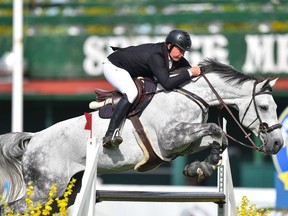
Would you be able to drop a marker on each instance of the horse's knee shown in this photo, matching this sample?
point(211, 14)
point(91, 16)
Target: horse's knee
point(215, 130)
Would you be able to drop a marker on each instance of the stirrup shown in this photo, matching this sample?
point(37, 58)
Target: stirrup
point(112, 141)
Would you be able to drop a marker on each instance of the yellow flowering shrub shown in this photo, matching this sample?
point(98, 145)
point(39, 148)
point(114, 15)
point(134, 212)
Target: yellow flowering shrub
point(37, 209)
point(250, 210)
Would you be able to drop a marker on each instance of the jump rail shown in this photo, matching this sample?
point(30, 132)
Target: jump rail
point(156, 196)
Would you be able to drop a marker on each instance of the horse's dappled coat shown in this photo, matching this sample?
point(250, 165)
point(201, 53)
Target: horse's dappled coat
point(175, 125)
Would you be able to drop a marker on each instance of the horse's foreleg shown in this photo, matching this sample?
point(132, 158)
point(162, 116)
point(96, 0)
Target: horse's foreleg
point(187, 138)
point(206, 168)
point(196, 135)
point(216, 153)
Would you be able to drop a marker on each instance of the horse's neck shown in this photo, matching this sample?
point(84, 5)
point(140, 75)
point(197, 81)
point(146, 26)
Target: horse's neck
point(229, 92)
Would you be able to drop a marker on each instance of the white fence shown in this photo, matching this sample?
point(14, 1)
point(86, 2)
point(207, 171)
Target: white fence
point(85, 200)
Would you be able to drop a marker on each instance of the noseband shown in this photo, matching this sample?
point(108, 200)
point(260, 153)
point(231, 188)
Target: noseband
point(263, 126)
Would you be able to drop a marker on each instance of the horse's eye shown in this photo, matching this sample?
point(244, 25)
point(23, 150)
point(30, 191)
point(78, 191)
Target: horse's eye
point(263, 108)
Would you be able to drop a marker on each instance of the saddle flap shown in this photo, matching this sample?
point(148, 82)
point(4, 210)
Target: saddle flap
point(106, 111)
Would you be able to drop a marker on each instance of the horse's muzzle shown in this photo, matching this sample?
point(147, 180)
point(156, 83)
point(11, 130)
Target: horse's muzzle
point(272, 148)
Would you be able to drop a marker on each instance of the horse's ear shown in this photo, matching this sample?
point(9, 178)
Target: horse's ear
point(266, 85)
point(263, 83)
point(273, 81)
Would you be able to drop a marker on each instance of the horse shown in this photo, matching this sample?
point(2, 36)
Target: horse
point(175, 122)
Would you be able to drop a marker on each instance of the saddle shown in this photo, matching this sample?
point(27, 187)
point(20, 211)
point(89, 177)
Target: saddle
point(106, 101)
point(146, 89)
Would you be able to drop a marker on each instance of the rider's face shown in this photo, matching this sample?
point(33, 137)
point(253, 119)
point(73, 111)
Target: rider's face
point(176, 53)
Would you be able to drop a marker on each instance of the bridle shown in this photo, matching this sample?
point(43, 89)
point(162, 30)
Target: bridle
point(263, 126)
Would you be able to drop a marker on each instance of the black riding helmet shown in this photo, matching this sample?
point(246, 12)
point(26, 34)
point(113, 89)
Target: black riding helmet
point(180, 39)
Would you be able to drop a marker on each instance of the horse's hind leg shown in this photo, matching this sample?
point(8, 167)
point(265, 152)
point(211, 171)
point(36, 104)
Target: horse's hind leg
point(37, 169)
point(39, 194)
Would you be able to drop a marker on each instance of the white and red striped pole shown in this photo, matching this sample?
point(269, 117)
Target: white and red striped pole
point(86, 199)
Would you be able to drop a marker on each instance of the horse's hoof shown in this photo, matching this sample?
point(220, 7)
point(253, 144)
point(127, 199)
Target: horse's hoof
point(202, 170)
point(201, 176)
point(191, 169)
point(207, 169)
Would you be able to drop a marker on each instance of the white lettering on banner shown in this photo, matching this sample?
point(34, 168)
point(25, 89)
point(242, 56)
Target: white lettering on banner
point(93, 51)
point(282, 53)
point(96, 49)
point(261, 55)
point(212, 46)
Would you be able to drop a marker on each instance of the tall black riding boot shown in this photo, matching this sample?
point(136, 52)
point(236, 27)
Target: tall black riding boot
point(111, 139)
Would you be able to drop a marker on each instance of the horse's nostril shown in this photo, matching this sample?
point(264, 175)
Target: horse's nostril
point(277, 146)
point(279, 143)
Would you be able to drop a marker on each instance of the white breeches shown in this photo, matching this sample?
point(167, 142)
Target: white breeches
point(120, 79)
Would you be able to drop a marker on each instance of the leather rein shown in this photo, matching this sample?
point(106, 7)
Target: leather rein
point(263, 126)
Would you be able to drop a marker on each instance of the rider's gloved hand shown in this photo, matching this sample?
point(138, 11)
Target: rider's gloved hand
point(194, 71)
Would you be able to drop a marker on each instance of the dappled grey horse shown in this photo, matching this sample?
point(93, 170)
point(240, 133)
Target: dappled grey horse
point(174, 121)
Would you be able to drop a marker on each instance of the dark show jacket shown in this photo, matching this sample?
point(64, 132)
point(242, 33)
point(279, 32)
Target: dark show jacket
point(150, 60)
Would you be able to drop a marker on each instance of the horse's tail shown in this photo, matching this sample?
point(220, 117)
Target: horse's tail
point(12, 148)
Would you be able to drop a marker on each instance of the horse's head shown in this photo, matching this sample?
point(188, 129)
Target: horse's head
point(253, 99)
point(258, 113)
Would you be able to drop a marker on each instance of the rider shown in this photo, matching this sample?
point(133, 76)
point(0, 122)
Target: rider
point(147, 60)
